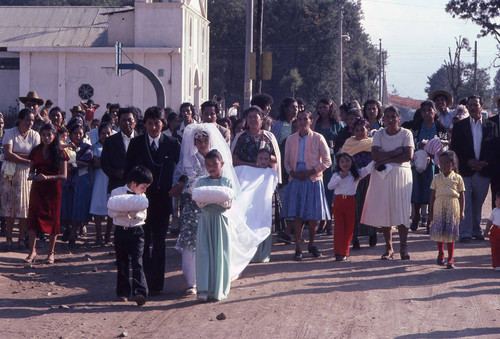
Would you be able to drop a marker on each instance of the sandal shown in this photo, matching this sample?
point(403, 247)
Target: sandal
point(30, 259)
point(440, 260)
point(387, 255)
point(450, 264)
point(50, 259)
point(315, 252)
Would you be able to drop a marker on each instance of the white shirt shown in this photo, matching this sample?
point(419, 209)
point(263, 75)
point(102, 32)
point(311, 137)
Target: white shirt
point(495, 217)
point(477, 135)
point(348, 185)
point(126, 140)
point(156, 140)
point(20, 144)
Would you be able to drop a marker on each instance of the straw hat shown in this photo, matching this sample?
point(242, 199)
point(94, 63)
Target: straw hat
point(77, 110)
point(32, 96)
point(441, 92)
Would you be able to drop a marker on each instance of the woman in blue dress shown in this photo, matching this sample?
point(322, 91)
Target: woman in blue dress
point(306, 157)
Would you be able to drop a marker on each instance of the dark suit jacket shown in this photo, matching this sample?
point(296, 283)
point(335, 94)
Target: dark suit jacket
point(162, 166)
point(226, 133)
point(113, 159)
point(463, 145)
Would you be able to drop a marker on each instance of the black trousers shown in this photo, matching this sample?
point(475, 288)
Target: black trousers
point(129, 248)
point(155, 232)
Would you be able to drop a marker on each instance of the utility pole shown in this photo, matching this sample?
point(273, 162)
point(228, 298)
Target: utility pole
point(341, 83)
point(247, 95)
point(258, 63)
point(475, 67)
point(380, 84)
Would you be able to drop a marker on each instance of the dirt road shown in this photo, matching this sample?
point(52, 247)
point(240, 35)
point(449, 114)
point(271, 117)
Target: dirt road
point(364, 297)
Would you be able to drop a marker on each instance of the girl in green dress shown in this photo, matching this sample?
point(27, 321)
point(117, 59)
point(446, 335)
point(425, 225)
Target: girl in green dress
point(213, 277)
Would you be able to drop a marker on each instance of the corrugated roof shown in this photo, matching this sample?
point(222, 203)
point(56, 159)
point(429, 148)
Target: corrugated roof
point(55, 26)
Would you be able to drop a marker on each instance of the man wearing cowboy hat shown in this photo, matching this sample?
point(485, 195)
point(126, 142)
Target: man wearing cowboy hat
point(443, 101)
point(33, 102)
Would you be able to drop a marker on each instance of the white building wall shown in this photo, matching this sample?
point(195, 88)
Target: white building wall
point(9, 86)
point(57, 73)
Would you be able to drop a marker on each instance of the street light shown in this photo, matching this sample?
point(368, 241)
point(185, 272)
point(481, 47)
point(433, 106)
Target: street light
point(342, 37)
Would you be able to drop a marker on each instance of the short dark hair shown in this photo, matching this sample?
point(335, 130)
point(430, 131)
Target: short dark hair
point(172, 116)
point(253, 109)
point(140, 175)
point(284, 108)
point(49, 102)
point(114, 106)
point(475, 97)
point(376, 103)
point(264, 150)
point(393, 109)
point(106, 117)
point(428, 103)
point(497, 195)
point(452, 156)
point(155, 113)
point(103, 126)
point(261, 100)
point(191, 108)
point(214, 154)
point(125, 110)
point(55, 109)
point(209, 103)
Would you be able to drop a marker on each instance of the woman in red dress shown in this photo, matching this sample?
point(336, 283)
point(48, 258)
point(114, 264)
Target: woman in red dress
point(48, 168)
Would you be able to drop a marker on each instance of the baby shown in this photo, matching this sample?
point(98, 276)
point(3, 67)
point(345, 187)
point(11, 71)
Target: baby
point(263, 159)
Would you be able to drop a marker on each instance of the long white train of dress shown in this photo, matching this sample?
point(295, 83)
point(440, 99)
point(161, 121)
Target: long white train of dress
point(252, 228)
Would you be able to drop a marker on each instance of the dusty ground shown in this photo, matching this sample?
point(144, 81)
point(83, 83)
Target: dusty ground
point(316, 298)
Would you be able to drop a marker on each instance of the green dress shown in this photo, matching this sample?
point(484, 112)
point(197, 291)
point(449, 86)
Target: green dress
point(212, 247)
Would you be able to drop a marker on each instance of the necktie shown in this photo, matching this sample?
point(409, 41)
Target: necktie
point(153, 146)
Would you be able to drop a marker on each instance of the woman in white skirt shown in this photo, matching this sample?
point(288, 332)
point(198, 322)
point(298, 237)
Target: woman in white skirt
point(388, 198)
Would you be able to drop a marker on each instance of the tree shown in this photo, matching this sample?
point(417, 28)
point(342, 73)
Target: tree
point(302, 35)
point(439, 80)
point(454, 66)
point(292, 81)
point(485, 13)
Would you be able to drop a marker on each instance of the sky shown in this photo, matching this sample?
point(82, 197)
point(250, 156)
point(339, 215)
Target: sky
point(416, 34)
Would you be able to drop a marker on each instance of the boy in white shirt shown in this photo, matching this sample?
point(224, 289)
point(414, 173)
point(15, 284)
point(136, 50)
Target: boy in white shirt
point(128, 208)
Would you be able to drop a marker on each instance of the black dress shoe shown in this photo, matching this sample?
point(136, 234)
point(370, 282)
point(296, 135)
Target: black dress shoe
point(153, 293)
point(355, 244)
point(465, 240)
point(315, 252)
point(339, 257)
point(297, 256)
point(478, 237)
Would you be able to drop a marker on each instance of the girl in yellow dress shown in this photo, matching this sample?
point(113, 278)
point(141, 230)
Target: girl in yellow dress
point(447, 206)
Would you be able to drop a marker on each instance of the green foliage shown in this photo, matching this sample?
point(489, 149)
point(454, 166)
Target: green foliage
point(292, 81)
point(439, 80)
point(485, 13)
point(302, 35)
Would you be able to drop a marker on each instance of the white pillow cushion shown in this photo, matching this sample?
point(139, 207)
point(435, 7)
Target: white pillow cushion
point(212, 194)
point(128, 203)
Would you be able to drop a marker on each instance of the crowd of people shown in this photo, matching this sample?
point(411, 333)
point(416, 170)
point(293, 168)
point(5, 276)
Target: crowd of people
point(347, 171)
